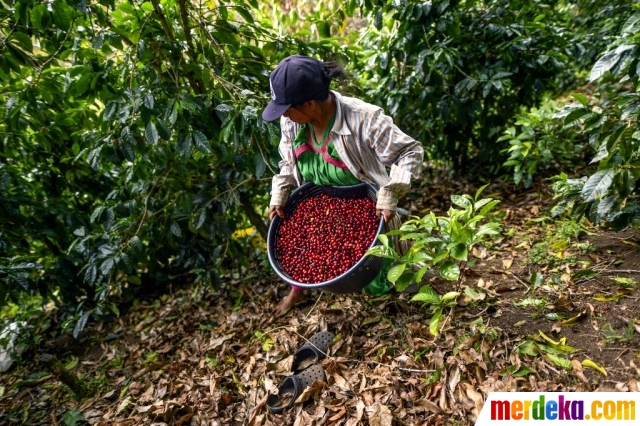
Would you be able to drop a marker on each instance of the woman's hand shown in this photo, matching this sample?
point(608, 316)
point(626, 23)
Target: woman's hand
point(273, 210)
point(388, 214)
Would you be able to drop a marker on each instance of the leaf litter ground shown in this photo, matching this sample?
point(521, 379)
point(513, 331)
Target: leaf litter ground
point(528, 320)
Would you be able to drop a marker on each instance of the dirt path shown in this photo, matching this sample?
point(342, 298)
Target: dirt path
point(526, 321)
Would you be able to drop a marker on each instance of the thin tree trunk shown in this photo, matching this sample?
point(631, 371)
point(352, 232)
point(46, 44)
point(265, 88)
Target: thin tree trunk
point(254, 218)
point(56, 368)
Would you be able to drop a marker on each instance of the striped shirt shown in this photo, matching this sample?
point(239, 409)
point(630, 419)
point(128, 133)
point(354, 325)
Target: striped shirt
point(368, 143)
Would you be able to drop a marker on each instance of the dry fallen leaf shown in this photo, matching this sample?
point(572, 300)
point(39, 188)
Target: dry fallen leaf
point(477, 399)
point(429, 406)
point(215, 343)
point(341, 382)
point(578, 371)
point(381, 416)
point(506, 263)
point(454, 379)
point(311, 391)
point(360, 406)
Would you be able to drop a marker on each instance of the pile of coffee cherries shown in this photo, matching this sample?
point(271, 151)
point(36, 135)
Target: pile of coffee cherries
point(325, 236)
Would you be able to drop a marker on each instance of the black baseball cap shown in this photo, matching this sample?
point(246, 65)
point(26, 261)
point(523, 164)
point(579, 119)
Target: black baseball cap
point(295, 80)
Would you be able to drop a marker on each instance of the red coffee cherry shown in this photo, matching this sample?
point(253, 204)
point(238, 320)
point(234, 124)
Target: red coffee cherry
point(325, 236)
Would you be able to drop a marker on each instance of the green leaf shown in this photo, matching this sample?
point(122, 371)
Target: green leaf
point(147, 7)
point(175, 229)
point(22, 40)
point(427, 295)
point(452, 295)
point(377, 21)
point(560, 362)
point(404, 281)
point(72, 417)
point(91, 274)
point(260, 165)
point(37, 12)
point(459, 252)
point(536, 303)
point(163, 130)
point(601, 154)
point(109, 111)
point(384, 240)
point(434, 323)
point(421, 256)
point(604, 64)
point(591, 364)
point(580, 98)
point(605, 205)
point(184, 145)
point(324, 29)
point(382, 251)
point(478, 192)
point(462, 201)
point(421, 272)
point(62, 15)
point(106, 266)
point(536, 279)
point(82, 321)
point(151, 133)
point(133, 279)
point(136, 244)
point(201, 141)
point(473, 294)
point(597, 184)
point(449, 270)
point(625, 282)
point(246, 15)
point(481, 203)
point(584, 273)
point(440, 256)
point(395, 272)
point(201, 217)
point(575, 115)
point(148, 100)
point(632, 24)
point(522, 371)
point(82, 85)
point(490, 205)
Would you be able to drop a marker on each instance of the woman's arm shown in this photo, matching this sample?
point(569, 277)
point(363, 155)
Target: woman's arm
point(283, 182)
point(399, 152)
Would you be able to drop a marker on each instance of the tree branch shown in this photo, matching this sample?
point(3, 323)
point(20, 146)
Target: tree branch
point(254, 218)
point(163, 20)
point(185, 28)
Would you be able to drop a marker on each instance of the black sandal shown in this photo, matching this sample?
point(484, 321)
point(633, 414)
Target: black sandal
point(291, 388)
point(313, 351)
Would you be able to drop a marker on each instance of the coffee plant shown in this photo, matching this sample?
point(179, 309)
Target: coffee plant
point(539, 144)
point(470, 66)
point(610, 194)
point(457, 73)
point(131, 145)
point(442, 242)
point(436, 305)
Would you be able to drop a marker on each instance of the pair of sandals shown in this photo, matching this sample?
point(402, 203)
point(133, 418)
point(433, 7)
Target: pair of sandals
point(305, 371)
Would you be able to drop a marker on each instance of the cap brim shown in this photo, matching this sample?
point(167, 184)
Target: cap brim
point(273, 111)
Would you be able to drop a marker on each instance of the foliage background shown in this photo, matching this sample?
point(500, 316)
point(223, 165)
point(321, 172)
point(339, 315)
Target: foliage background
point(132, 148)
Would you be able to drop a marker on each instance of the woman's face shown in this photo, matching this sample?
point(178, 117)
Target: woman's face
point(299, 114)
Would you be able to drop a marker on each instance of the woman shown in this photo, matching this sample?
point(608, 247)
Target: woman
point(330, 139)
